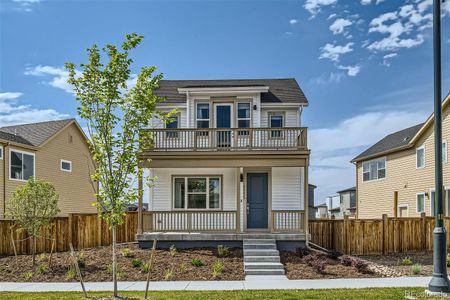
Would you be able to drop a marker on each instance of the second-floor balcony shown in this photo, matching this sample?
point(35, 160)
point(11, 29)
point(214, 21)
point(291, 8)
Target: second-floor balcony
point(226, 139)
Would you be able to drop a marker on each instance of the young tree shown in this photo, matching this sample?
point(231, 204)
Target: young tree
point(115, 113)
point(33, 206)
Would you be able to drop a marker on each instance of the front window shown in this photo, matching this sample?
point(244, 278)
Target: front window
point(420, 203)
point(420, 157)
point(197, 192)
point(276, 121)
point(202, 115)
point(243, 117)
point(172, 123)
point(21, 165)
point(375, 169)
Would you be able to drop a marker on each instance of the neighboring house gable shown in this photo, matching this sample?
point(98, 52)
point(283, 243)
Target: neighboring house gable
point(402, 164)
point(59, 153)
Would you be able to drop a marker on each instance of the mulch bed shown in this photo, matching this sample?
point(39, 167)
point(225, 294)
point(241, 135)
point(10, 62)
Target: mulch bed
point(98, 259)
point(296, 268)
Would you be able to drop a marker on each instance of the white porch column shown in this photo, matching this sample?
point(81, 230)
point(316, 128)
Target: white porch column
point(238, 199)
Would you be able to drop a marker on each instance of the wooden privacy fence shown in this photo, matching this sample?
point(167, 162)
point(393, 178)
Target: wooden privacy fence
point(375, 236)
point(82, 230)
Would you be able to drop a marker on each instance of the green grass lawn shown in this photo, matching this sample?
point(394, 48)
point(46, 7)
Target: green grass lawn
point(378, 293)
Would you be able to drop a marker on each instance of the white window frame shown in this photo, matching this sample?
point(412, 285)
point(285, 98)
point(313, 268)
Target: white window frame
point(186, 192)
point(196, 116)
point(417, 201)
point(244, 119)
point(22, 152)
point(370, 161)
point(403, 206)
point(417, 160)
point(1, 151)
point(444, 153)
point(65, 161)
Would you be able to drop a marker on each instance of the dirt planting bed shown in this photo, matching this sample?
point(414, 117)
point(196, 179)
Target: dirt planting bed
point(97, 267)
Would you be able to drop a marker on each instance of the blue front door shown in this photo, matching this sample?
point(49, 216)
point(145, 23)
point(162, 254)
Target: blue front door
point(257, 201)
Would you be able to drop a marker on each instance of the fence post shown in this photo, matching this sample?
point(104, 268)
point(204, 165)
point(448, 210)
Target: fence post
point(99, 230)
point(70, 233)
point(344, 236)
point(385, 235)
point(424, 231)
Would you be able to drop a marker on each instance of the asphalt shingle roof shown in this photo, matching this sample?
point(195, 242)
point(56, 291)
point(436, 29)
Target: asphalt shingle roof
point(33, 134)
point(284, 90)
point(393, 141)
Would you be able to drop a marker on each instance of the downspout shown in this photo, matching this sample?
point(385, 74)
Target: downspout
point(4, 179)
point(300, 110)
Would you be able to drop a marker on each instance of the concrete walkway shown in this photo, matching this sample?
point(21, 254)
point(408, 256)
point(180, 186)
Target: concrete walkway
point(251, 283)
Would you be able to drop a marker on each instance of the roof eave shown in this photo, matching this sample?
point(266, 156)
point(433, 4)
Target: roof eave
point(384, 153)
point(221, 90)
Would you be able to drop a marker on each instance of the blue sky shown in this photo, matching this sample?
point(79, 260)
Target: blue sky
point(365, 65)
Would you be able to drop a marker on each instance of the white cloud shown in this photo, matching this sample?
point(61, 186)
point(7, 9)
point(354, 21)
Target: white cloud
point(339, 25)
point(331, 16)
point(293, 21)
point(333, 52)
point(351, 70)
point(326, 79)
point(313, 6)
point(386, 58)
point(367, 2)
point(58, 76)
point(25, 5)
point(13, 113)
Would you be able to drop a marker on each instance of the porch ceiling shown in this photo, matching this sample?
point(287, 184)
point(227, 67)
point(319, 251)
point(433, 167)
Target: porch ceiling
point(225, 159)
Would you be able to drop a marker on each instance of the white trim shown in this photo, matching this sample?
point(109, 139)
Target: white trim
point(231, 113)
point(209, 114)
point(447, 199)
point(402, 206)
point(66, 161)
point(209, 90)
point(2, 151)
point(186, 192)
point(369, 161)
point(417, 199)
point(23, 152)
point(424, 161)
point(282, 105)
point(445, 155)
point(432, 190)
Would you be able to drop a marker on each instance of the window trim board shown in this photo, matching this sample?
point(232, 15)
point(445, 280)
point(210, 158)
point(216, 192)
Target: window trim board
point(385, 169)
point(424, 157)
point(424, 202)
point(23, 152)
point(2, 152)
point(66, 161)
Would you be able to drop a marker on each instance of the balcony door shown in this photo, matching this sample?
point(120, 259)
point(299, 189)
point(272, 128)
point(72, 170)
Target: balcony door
point(223, 120)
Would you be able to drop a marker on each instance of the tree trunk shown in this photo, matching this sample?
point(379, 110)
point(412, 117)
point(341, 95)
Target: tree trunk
point(114, 263)
point(33, 249)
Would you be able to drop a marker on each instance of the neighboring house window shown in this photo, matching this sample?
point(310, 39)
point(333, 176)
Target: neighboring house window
point(352, 199)
point(420, 157)
point(1, 152)
point(66, 165)
point(197, 192)
point(444, 152)
point(21, 165)
point(276, 121)
point(243, 117)
point(420, 203)
point(341, 199)
point(202, 115)
point(374, 169)
point(172, 123)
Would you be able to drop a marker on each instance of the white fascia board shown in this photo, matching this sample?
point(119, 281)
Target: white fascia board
point(225, 90)
point(283, 105)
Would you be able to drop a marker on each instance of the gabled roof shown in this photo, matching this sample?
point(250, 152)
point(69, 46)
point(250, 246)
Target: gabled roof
point(284, 90)
point(33, 134)
point(400, 140)
point(352, 189)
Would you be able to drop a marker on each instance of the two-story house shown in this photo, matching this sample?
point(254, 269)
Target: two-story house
point(396, 175)
point(232, 165)
point(56, 151)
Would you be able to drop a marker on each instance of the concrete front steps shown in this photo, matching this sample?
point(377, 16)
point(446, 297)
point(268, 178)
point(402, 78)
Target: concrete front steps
point(261, 257)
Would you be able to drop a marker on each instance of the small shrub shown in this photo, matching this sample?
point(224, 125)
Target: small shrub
point(448, 260)
point(316, 262)
point(360, 265)
point(184, 268)
point(416, 269)
point(407, 261)
point(119, 272)
point(136, 263)
point(217, 269)
point(145, 268)
point(222, 251)
point(196, 262)
point(173, 251)
point(41, 269)
point(70, 274)
point(80, 260)
point(28, 275)
point(334, 255)
point(41, 257)
point(127, 252)
point(169, 274)
point(346, 260)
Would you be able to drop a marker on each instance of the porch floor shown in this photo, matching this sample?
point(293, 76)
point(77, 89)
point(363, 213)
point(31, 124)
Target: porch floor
point(218, 236)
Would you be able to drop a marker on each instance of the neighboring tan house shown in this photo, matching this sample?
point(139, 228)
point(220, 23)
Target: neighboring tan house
point(56, 151)
point(322, 211)
point(347, 202)
point(232, 166)
point(396, 175)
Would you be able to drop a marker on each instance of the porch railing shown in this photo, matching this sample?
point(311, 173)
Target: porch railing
point(215, 139)
point(189, 221)
point(288, 221)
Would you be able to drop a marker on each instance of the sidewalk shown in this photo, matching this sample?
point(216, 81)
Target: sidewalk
point(251, 283)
